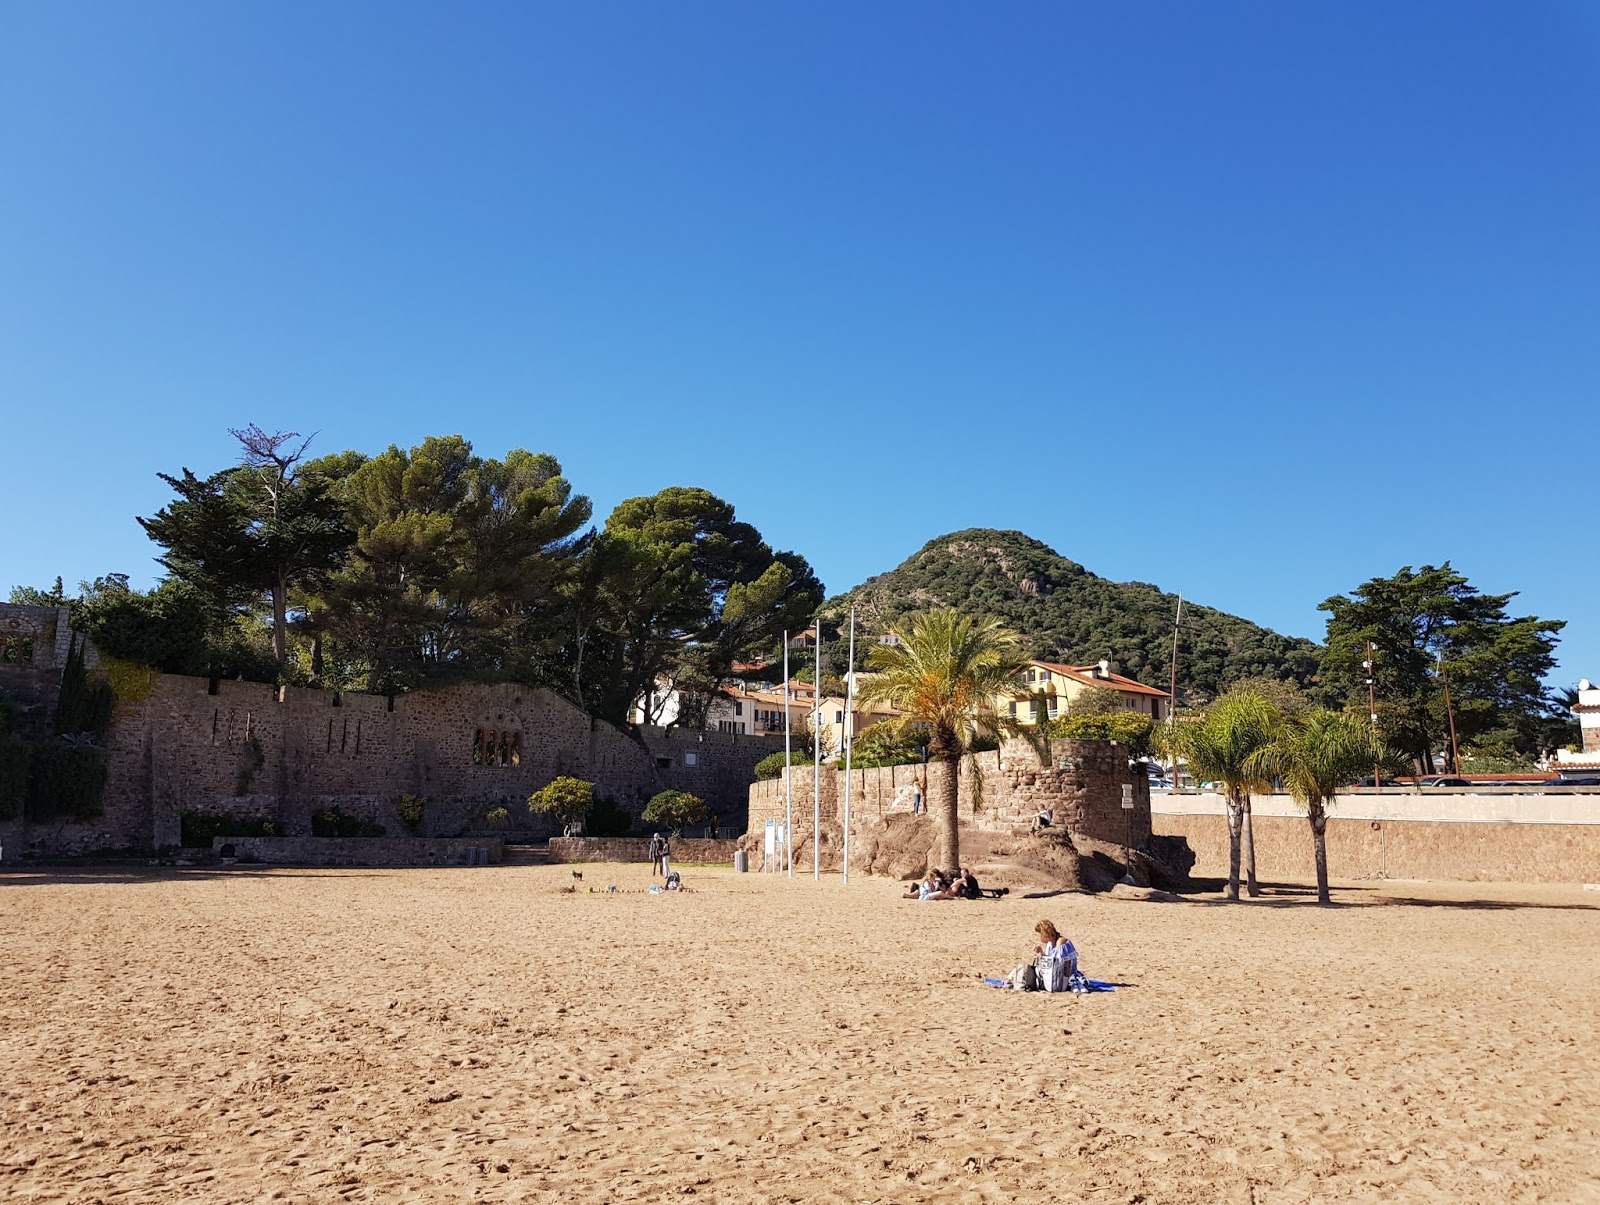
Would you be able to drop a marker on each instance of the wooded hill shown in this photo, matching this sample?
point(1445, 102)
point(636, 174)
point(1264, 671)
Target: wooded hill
point(1065, 613)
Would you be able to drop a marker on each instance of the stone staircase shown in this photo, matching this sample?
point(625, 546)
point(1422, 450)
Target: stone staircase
point(525, 855)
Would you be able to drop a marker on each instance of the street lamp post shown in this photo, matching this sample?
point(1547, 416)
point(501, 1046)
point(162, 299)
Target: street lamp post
point(1372, 709)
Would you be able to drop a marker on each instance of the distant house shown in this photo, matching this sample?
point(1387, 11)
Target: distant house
point(1587, 709)
point(1046, 688)
point(760, 711)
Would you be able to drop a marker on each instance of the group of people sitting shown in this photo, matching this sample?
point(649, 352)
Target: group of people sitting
point(963, 885)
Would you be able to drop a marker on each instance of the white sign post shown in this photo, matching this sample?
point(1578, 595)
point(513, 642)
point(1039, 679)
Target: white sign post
point(1127, 857)
point(769, 861)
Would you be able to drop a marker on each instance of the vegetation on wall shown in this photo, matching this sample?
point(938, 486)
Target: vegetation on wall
point(196, 829)
point(1130, 729)
point(412, 810)
point(335, 822)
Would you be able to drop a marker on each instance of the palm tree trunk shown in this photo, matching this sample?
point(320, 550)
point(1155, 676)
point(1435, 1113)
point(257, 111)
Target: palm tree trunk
point(943, 791)
point(1249, 849)
point(1235, 821)
point(1319, 841)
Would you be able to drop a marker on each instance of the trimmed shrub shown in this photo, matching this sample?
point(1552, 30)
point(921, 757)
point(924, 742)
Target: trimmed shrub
point(771, 766)
point(676, 810)
point(567, 799)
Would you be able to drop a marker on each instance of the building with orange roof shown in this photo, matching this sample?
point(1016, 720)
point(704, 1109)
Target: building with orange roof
point(1047, 688)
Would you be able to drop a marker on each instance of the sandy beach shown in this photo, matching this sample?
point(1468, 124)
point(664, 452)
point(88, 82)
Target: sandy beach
point(480, 1035)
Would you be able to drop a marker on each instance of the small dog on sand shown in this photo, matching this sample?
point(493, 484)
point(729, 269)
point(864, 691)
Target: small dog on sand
point(578, 874)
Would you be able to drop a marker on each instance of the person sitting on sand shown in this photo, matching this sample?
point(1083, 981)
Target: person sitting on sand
point(966, 886)
point(1042, 821)
point(939, 887)
point(1055, 948)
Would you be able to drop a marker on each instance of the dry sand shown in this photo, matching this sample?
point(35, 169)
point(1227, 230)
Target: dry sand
point(476, 1035)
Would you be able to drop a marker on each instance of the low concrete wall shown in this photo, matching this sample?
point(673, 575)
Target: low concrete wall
point(360, 851)
point(1362, 848)
point(637, 849)
point(1466, 805)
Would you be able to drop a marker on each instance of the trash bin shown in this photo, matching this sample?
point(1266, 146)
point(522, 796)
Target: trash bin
point(741, 862)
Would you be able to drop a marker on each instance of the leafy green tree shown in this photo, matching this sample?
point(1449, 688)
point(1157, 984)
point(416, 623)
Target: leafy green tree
point(1316, 754)
point(32, 596)
point(258, 529)
point(173, 628)
point(1419, 620)
point(1225, 747)
point(945, 673)
point(1097, 700)
point(567, 799)
point(458, 566)
point(676, 810)
point(677, 588)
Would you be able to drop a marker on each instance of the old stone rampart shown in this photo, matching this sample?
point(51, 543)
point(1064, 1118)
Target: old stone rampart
point(1000, 791)
point(256, 752)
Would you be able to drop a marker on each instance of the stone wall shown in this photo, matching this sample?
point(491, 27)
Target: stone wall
point(1487, 851)
point(360, 851)
point(999, 791)
point(636, 849)
point(256, 751)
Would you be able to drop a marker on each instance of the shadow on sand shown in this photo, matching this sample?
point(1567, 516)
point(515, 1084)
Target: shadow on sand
point(1375, 895)
point(55, 876)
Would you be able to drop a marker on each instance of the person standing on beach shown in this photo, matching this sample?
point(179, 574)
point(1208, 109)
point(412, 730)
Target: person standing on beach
point(657, 853)
point(666, 857)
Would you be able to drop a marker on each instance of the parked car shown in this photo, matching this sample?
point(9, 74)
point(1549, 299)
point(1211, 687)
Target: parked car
point(1573, 782)
point(1382, 782)
point(1161, 784)
point(1442, 780)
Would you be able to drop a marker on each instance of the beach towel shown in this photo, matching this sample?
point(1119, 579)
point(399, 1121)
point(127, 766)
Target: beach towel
point(1080, 984)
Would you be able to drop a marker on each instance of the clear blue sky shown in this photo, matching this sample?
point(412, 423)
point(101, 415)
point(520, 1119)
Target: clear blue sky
point(1254, 301)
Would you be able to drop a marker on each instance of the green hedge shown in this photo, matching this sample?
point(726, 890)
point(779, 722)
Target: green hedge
point(333, 822)
point(197, 828)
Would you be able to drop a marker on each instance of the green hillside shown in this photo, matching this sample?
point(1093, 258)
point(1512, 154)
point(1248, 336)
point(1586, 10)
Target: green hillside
point(1065, 613)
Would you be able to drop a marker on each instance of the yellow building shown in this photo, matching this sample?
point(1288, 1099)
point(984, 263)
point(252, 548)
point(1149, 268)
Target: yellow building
point(1048, 688)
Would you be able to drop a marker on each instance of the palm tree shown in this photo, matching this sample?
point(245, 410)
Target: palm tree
point(946, 673)
point(1223, 747)
point(1315, 755)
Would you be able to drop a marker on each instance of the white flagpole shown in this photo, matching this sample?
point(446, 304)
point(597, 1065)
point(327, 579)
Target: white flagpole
point(849, 737)
point(1172, 697)
point(788, 770)
point(816, 759)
